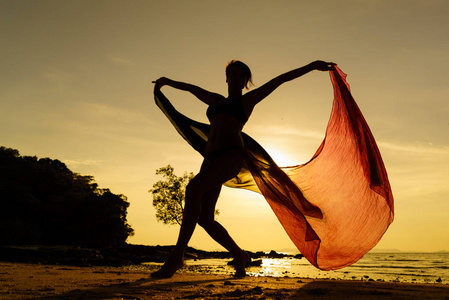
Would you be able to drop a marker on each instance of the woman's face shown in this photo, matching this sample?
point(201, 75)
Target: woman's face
point(236, 78)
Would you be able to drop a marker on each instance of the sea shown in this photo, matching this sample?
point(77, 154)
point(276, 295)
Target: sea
point(390, 267)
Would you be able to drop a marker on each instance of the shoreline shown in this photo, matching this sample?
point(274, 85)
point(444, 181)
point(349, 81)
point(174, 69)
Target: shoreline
point(40, 281)
point(120, 255)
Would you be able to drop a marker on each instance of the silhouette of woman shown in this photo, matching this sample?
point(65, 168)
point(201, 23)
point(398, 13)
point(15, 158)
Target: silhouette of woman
point(224, 156)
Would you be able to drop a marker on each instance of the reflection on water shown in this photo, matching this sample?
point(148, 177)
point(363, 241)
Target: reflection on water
point(398, 267)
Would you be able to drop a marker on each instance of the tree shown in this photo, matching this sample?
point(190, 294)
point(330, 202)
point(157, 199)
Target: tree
point(44, 202)
point(169, 195)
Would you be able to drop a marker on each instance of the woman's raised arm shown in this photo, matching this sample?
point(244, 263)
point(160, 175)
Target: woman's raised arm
point(257, 95)
point(203, 95)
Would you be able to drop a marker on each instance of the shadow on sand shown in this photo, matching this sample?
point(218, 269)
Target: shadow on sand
point(145, 287)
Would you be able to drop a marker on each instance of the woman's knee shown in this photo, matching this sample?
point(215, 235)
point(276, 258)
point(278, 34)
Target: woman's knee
point(206, 221)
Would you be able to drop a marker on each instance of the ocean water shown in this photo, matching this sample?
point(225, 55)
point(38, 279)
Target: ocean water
point(394, 267)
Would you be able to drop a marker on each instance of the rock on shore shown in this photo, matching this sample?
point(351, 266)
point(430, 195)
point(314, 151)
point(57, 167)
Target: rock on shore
point(126, 254)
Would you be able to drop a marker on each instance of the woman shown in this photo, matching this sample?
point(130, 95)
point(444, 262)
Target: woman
point(224, 156)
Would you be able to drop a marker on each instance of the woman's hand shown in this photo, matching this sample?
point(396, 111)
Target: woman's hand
point(161, 82)
point(322, 65)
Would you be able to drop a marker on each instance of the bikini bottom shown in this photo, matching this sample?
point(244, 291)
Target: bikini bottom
point(211, 156)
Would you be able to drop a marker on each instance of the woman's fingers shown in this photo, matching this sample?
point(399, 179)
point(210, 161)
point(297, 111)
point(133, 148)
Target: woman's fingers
point(160, 82)
point(324, 66)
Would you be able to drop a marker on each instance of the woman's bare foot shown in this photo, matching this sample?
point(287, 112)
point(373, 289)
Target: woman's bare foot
point(168, 269)
point(240, 263)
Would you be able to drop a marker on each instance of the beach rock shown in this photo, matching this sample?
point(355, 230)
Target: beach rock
point(257, 290)
point(258, 254)
point(274, 254)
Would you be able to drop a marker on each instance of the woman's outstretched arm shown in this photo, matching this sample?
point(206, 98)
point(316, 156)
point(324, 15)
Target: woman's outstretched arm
point(205, 96)
point(257, 95)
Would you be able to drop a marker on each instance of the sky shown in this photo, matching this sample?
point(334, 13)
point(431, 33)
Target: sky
point(75, 85)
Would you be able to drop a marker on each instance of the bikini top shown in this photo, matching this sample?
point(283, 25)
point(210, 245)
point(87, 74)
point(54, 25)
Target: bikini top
point(232, 107)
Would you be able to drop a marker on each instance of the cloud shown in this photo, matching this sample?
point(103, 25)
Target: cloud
point(77, 163)
point(120, 61)
point(417, 148)
point(57, 78)
point(285, 130)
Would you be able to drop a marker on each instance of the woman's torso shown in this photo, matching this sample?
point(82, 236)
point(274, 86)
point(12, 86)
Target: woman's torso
point(226, 127)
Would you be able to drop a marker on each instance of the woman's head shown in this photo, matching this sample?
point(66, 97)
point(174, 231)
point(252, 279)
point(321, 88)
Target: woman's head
point(238, 73)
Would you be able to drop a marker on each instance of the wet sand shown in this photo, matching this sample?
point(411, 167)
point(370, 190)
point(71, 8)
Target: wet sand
point(34, 281)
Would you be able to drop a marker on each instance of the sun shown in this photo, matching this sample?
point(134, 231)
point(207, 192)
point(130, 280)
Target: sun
point(281, 158)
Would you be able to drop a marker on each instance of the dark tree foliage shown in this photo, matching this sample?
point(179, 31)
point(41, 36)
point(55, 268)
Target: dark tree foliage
point(43, 202)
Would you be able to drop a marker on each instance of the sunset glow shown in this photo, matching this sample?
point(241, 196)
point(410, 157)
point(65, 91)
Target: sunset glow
point(76, 86)
point(281, 158)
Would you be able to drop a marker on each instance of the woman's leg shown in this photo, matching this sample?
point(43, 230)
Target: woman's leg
point(212, 175)
point(219, 233)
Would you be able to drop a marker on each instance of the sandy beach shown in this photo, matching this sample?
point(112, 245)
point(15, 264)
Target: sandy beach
point(35, 281)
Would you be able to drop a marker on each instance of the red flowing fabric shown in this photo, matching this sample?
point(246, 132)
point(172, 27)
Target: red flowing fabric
point(336, 207)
